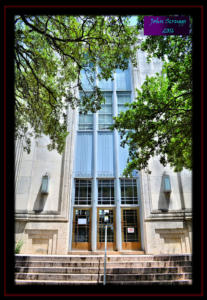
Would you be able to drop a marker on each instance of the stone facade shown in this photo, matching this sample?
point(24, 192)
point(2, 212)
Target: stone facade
point(43, 222)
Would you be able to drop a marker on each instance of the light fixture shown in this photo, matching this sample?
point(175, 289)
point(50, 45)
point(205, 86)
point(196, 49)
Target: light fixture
point(167, 185)
point(45, 184)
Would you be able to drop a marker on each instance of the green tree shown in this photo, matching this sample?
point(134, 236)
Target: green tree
point(159, 121)
point(51, 53)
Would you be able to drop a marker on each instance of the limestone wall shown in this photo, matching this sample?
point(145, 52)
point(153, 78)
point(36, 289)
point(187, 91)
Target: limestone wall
point(167, 218)
point(43, 237)
point(33, 166)
point(42, 220)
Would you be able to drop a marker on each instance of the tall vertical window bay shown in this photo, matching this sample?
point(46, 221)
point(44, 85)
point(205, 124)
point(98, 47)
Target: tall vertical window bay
point(106, 113)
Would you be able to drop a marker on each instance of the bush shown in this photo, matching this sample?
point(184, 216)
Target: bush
point(18, 246)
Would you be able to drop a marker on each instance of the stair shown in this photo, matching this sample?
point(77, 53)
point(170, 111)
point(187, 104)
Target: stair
point(84, 269)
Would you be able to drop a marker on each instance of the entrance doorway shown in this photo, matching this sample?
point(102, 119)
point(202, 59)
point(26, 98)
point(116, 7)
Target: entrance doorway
point(81, 229)
point(106, 215)
point(131, 238)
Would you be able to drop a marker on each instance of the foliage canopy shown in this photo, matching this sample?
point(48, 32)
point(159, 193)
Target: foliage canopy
point(159, 121)
point(50, 54)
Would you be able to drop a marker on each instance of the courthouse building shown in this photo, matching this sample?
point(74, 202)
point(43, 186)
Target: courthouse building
point(63, 201)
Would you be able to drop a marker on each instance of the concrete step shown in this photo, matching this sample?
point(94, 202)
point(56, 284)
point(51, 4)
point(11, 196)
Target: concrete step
point(120, 269)
point(124, 282)
point(83, 252)
point(99, 258)
point(122, 263)
point(94, 270)
point(99, 277)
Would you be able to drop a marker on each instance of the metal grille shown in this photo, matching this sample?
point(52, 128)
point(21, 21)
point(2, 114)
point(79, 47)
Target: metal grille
point(110, 225)
point(129, 191)
point(82, 192)
point(106, 192)
point(81, 225)
point(129, 225)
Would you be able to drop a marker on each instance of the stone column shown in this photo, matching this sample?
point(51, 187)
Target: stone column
point(94, 181)
point(117, 181)
point(18, 158)
point(94, 187)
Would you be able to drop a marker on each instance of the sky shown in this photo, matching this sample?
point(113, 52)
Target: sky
point(133, 20)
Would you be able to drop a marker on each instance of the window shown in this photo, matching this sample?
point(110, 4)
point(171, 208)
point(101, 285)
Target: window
point(123, 81)
point(85, 121)
point(106, 192)
point(82, 192)
point(105, 113)
point(129, 191)
point(123, 98)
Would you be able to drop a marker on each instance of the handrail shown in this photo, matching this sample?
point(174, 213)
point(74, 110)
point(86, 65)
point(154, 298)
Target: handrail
point(104, 281)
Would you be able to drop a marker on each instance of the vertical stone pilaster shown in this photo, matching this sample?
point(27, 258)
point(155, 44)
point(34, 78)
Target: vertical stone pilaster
point(18, 158)
point(94, 186)
point(116, 171)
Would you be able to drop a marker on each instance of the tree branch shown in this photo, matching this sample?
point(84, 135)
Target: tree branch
point(38, 80)
point(48, 35)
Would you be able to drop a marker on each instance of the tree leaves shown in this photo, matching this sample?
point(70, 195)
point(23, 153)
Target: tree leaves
point(160, 118)
point(50, 54)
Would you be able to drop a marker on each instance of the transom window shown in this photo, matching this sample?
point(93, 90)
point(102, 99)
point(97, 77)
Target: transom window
point(129, 191)
point(106, 192)
point(82, 192)
point(105, 113)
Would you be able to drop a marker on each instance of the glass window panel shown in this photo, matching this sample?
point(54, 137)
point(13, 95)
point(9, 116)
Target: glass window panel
point(129, 191)
point(108, 99)
point(110, 226)
point(85, 120)
point(122, 108)
point(123, 98)
point(105, 114)
point(123, 82)
point(87, 84)
point(106, 109)
point(82, 230)
point(101, 119)
point(83, 192)
point(105, 84)
point(106, 192)
point(130, 221)
point(108, 119)
point(85, 127)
